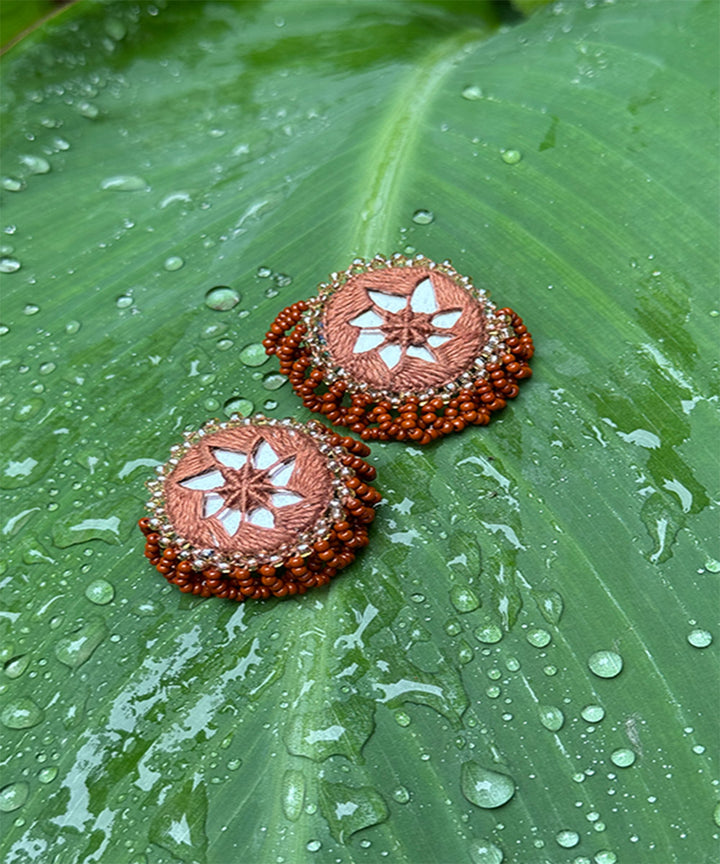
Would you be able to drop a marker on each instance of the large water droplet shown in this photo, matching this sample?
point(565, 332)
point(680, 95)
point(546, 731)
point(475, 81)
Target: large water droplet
point(35, 164)
point(700, 638)
point(605, 664)
point(124, 183)
point(13, 796)
point(88, 109)
point(47, 775)
point(550, 604)
point(274, 381)
point(100, 592)
point(12, 184)
point(485, 788)
point(401, 794)
point(423, 217)
point(538, 638)
point(254, 355)
point(485, 852)
point(174, 262)
point(472, 93)
point(488, 633)
point(623, 758)
point(551, 717)
point(16, 666)
point(313, 845)
point(511, 157)
point(567, 839)
point(21, 713)
point(463, 598)
point(76, 649)
point(238, 405)
point(293, 793)
point(592, 713)
point(349, 809)
point(221, 298)
point(9, 265)
point(605, 856)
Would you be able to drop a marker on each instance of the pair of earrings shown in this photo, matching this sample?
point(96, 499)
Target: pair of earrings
point(393, 349)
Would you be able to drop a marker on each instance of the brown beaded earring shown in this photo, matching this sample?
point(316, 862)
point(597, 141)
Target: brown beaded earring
point(401, 348)
point(257, 507)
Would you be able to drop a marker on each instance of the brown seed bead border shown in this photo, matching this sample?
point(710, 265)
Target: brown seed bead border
point(375, 415)
point(312, 562)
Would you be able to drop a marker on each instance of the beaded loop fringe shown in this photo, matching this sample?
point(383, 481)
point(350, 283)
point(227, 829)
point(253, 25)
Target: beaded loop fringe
point(311, 563)
point(383, 415)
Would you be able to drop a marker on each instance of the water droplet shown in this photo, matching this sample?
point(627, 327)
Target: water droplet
point(238, 405)
point(174, 262)
point(485, 788)
point(13, 796)
point(224, 344)
point(464, 598)
point(401, 795)
point(605, 856)
point(465, 653)
point(123, 301)
point(700, 638)
point(567, 839)
point(402, 718)
point(4, 329)
point(12, 184)
point(538, 638)
point(472, 93)
point(550, 604)
point(313, 845)
point(488, 633)
point(282, 280)
point(712, 566)
point(623, 758)
point(293, 794)
point(605, 664)
point(511, 157)
point(87, 109)
point(16, 666)
point(274, 381)
point(124, 183)
point(221, 298)
point(21, 713)
point(551, 717)
point(47, 775)
point(716, 815)
point(254, 355)
point(72, 327)
point(349, 809)
point(485, 852)
point(36, 164)
point(423, 217)
point(453, 627)
point(76, 649)
point(493, 691)
point(592, 713)
point(9, 265)
point(100, 592)
point(512, 664)
point(47, 368)
point(264, 272)
point(26, 410)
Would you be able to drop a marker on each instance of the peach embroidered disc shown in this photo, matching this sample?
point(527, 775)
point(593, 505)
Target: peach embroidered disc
point(255, 506)
point(402, 348)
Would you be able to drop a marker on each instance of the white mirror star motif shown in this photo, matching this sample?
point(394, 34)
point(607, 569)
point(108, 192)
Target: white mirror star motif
point(404, 326)
point(245, 486)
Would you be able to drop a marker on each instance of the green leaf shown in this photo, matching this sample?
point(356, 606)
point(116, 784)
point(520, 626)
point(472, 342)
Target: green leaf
point(522, 666)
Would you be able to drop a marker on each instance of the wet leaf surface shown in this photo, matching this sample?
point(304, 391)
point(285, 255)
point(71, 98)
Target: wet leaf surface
point(522, 665)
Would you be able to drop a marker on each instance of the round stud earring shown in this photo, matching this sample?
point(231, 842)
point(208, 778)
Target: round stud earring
point(401, 348)
point(256, 507)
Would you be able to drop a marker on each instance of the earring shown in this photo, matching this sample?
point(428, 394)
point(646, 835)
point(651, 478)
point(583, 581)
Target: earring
point(401, 348)
point(256, 507)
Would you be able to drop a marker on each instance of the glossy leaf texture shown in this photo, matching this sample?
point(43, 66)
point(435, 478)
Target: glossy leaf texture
point(522, 667)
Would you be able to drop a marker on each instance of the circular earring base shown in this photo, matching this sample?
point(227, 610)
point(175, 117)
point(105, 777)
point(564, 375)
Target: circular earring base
point(310, 566)
point(415, 419)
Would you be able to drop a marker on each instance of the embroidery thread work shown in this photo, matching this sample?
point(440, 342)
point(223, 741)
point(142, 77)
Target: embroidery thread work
point(401, 348)
point(256, 507)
